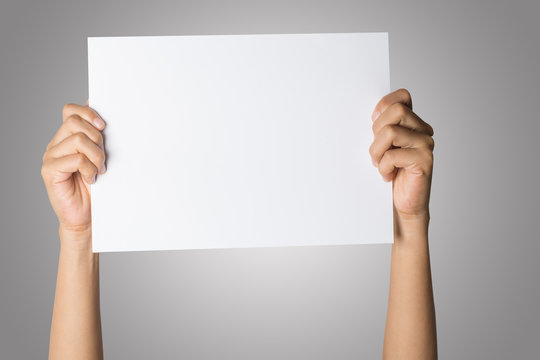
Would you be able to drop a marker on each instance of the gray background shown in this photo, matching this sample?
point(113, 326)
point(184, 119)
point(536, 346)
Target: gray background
point(473, 70)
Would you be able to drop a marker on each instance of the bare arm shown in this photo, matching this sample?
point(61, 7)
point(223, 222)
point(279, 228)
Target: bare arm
point(403, 152)
point(410, 325)
point(76, 323)
point(72, 161)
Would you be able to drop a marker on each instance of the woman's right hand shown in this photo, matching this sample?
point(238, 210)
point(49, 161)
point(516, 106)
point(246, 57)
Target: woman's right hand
point(71, 163)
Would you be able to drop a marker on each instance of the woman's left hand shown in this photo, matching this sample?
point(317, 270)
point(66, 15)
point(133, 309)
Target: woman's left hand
point(402, 150)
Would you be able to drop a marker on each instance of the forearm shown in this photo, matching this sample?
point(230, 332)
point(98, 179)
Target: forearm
point(76, 323)
point(410, 326)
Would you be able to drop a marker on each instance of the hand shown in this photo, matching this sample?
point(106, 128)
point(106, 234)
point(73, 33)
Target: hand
point(71, 163)
point(402, 150)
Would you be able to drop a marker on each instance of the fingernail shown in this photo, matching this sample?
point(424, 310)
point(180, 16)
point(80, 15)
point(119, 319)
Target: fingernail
point(102, 169)
point(374, 163)
point(93, 180)
point(99, 123)
point(375, 116)
point(387, 178)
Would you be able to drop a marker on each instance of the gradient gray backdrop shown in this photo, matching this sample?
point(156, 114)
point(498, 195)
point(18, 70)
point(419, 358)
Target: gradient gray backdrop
point(473, 70)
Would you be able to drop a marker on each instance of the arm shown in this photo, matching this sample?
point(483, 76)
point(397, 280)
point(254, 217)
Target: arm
point(402, 151)
point(410, 324)
point(73, 159)
point(76, 323)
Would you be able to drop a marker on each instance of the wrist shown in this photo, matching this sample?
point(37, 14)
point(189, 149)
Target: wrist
point(411, 229)
point(76, 238)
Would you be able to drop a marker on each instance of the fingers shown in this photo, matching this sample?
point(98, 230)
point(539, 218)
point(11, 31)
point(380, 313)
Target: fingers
point(84, 112)
point(76, 147)
point(398, 136)
point(416, 160)
point(399, 96)
point(75, 124)
point(400, 114)
point(402, 139)
point(57, 170)
point(79, 143)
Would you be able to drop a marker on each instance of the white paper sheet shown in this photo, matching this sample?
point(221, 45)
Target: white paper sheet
point(238, 141)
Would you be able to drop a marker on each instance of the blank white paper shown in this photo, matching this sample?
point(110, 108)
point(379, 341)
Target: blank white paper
point(238, 141)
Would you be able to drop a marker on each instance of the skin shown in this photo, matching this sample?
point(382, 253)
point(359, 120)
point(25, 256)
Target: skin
point(70, 164)
point(402, 151)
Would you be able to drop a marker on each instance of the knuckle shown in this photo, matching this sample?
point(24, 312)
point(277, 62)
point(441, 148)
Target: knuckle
point(388, 156)
point(43, 171)
point(384, 103)
point(71, 120)
point(427, 157)
point(429, 129)
point(386, 165)
point(431, 143)
point(430, 157)
point(372, 150)
point(427, 141)
point(399, 110)
point(406, 94)
point(80, 159)
point(101, 157)
point(79, 138)
point(66, 109)
point(99, 138)
point(389, 131)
